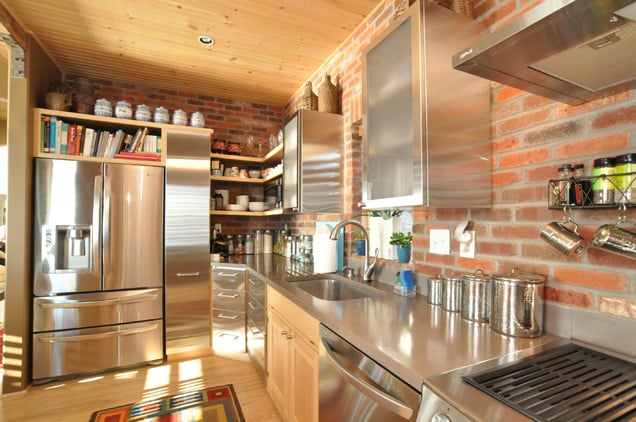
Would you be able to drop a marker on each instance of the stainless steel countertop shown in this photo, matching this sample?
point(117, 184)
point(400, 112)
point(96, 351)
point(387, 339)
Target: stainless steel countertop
point(408, 336)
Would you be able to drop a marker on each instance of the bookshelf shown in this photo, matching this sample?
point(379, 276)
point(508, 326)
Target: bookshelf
point(156, 131)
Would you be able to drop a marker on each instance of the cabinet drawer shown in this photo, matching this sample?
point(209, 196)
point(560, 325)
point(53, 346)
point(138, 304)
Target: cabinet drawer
point(229, 278)
point(256, 312)
point(256, 287)
point(230, 300)
point(228, 333)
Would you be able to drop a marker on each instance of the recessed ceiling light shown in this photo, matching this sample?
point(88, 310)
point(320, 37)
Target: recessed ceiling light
point(205, 40)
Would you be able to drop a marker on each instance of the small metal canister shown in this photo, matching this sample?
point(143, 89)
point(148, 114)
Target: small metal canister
point(452, 293)
point(516, 305)
point(434, 288)
point(476, 296)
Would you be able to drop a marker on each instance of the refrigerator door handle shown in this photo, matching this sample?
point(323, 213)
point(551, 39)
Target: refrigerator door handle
point(97, 227)
point(193, 274)
point(106, 220)
point(100, 302)
point(99, 336)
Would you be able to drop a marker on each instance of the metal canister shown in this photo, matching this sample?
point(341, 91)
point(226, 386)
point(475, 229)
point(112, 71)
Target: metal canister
point(452, 293)
point(476, 296)
point(516, 303)
point(434, 288)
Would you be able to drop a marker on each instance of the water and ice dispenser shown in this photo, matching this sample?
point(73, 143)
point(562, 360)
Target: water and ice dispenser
point(67, 248)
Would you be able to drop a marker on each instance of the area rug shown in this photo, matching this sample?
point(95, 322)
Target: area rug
point(216, 404)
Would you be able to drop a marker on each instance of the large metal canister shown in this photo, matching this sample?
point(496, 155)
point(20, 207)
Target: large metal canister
point(476, 296)
point(517, 302)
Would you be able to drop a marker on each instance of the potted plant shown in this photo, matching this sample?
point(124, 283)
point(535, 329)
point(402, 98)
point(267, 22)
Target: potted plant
point(403, 243)
point(359, 242)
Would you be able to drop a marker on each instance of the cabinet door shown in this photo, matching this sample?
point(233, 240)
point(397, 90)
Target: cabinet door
point(277, 360)
point(304, 381)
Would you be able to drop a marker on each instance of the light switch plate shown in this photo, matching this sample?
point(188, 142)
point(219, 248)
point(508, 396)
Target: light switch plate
point(467, 249)
point(439, 241)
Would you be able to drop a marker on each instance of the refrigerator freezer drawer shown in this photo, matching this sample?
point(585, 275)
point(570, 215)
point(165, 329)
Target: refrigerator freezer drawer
point(229, 300)
point(228, 331)
point(228, 278)
point(93, 309)
point(96, 349)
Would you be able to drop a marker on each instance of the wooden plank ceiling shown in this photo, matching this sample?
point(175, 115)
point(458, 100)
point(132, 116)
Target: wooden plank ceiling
point(264, 49)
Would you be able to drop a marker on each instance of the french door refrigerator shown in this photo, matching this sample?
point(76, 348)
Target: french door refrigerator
point(97, 267)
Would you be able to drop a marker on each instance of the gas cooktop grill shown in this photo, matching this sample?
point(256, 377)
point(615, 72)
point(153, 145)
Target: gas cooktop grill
point(567, 383)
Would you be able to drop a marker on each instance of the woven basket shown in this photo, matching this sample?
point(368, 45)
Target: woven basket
point(328, 96)
point(307, 100)
point(463, 7)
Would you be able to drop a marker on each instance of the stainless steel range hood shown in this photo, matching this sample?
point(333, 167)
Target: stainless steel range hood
point(563, 50)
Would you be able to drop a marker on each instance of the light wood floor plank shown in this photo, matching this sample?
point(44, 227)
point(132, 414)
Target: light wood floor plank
point(76, 400)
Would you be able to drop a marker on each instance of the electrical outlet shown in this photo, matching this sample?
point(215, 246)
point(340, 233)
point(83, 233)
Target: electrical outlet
point(217, 228)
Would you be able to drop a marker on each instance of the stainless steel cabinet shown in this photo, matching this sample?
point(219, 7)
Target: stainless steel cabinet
point(256, 322)
point(229, 300)
point(313, 159)
point(426, 125)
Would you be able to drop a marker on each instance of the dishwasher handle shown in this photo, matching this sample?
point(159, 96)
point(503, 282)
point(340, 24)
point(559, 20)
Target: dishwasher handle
point(388, 402)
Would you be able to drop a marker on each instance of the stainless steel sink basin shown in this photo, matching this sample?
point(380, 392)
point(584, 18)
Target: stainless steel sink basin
point(333, 288)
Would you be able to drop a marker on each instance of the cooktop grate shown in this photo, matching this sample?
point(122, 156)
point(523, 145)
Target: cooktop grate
point(567, 383)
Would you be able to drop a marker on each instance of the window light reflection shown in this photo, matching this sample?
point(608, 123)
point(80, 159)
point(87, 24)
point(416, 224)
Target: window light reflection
point(190, 369)
point(157, 377)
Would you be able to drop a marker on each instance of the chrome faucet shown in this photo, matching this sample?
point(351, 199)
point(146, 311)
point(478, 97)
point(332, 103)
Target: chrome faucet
point(368, 265)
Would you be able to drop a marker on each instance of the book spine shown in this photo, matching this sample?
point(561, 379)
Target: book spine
point(70, 145)
point(63, 138)
point(52, 133)
point(58, 137)
point(78, 139)
point(44, 134)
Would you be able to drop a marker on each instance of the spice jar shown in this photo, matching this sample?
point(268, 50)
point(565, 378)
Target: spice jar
point(625, 182)
point(258, 242)
point(603, 187)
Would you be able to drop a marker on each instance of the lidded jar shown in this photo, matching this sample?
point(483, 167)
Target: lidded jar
point(103, 108)
point(161, 115)
point(180, 117)
point(142, 113)
point(197, 119)
point(123, 110)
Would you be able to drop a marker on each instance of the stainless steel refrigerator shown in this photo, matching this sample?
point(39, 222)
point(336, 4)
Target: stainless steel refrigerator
point(98, 272)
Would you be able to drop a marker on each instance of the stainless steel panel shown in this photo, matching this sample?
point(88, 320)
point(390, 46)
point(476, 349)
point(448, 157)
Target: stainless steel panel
point(229, 331)
point(313, 157)
point(133, 226)
point(229, 278)
point(354, 387)
point(231, 300)
point(256, 312)
point(187, 238)
point(67, 194)
point(92, 309)
point(68, 352)
point(256, 288)
point(426, 125)
point(256, 346)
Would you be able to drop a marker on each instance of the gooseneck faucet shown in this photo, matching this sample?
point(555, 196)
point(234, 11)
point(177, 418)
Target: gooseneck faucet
point(368, 265)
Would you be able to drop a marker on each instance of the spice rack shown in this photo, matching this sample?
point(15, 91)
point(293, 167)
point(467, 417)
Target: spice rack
point(577, 193)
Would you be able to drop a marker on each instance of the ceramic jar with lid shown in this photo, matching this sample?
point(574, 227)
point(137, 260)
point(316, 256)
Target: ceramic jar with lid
point(179, 117)
point(161, 115)
point(143, 113)
point(123, 110)
point(103, 108)
point(197, 119)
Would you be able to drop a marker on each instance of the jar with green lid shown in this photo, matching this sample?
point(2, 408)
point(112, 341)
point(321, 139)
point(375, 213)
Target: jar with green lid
point(603, 186)
point(625, 182)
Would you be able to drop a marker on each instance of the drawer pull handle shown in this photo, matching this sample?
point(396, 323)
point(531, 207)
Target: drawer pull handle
point(224, 316)
point(193, 274)
point(229, 296)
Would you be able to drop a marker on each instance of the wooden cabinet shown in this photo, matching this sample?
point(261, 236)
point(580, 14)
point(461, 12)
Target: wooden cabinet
point(241, 184)
point(292, 358)
point(111, 124)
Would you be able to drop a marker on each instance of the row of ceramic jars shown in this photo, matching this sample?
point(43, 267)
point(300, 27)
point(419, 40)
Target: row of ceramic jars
point(123, 110)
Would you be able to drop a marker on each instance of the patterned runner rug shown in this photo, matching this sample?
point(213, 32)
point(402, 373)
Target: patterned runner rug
point(216, 404)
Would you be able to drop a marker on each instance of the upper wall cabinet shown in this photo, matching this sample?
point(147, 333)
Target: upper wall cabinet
point(313, 177)
point(426, 125)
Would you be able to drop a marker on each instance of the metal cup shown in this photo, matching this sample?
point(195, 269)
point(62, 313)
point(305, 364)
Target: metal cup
point(569, 242)
point(612, 238)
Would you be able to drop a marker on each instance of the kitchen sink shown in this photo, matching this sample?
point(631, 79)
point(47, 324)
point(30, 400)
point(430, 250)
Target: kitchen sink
point(334, 288)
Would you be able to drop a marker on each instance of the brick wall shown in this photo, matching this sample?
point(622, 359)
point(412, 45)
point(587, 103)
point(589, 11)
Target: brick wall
point(531, 136)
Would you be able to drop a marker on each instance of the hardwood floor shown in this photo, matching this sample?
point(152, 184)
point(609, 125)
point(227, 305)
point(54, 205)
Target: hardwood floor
point(76, 400)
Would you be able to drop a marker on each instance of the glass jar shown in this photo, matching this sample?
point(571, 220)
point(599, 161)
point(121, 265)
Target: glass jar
point(239, 248)
point(219, 146)
point(603, 186)
point(581, 189)
point(258, 242)
point(565, 173)
point(230, 244)
point(625, 183)
point(218, 201)
point(233, 148)
point(268, 242)
point(249, 244)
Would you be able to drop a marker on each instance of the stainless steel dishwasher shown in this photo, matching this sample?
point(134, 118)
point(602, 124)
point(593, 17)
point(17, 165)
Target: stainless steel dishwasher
point(353, 387)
